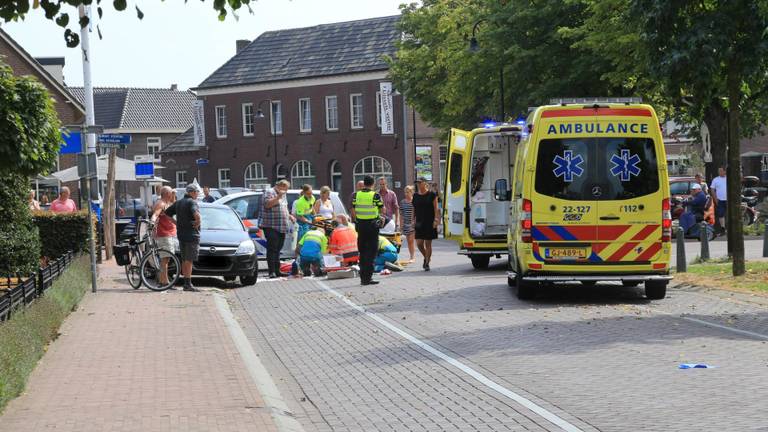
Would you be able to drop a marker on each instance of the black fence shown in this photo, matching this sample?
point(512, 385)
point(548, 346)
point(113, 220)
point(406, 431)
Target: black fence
point(19, 294)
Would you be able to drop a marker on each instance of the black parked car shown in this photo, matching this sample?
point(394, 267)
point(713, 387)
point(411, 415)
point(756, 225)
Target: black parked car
point(226, 249)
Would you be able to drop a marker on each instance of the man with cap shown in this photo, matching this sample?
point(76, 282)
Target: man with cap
point(366, 211)
point(697, 201)
point(188, 221)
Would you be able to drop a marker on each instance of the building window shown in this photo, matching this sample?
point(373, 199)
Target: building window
point(305, 115)
point(375, 166)
point(247, 119)
point(281, 172)
point(224, 178)
point(336, 181)
point(378, 109)
point(254, 175)
point(331, 113)
point(277, 117)
point(301, 174)
point(153, 147)
point(221, 121)
point(356, 110)
point(181, 179)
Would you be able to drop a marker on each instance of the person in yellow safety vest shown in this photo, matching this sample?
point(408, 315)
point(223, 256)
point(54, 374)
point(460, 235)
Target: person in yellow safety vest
point(387, 254)
point(313, 245)
point(366, 211)
point(303, 210)
point(343, 241)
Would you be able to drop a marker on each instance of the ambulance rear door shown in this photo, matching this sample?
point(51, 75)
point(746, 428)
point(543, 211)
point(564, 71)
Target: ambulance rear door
point(456, 211)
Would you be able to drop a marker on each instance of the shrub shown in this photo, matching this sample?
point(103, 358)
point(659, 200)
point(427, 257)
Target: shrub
point(25, 336)
point(19, 240)
point(62, 232)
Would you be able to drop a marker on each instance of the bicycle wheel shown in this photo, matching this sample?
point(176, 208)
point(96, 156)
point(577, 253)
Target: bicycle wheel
point(151, 269)
point(132, 271)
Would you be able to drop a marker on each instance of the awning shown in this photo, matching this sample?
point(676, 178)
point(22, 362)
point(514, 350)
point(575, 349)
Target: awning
point(124, 171)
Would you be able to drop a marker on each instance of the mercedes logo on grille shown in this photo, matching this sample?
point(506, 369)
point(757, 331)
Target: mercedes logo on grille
point(212, 250)
point(597, 191)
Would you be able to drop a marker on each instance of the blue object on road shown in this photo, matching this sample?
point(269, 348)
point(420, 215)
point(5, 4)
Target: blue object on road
point(695, 366)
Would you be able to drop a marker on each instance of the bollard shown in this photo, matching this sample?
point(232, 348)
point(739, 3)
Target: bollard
point(704, 236)
point(765, 239)
point(682, 264)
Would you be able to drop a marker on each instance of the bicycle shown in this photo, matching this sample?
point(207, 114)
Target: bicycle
point(147, 259)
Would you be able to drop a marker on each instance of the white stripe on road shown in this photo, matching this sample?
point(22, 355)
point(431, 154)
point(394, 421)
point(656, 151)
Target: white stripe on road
point(722, 327)
point(283, 417)
point(543, 412)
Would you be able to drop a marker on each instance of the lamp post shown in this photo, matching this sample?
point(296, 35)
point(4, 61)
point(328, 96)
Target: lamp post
point(474, 47)
point(273, 127)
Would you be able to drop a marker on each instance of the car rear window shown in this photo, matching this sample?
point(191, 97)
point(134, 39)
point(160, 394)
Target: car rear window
point(590, 169)
point(679, 188)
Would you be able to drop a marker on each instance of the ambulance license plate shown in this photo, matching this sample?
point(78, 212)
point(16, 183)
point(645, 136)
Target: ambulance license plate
point(565, 253)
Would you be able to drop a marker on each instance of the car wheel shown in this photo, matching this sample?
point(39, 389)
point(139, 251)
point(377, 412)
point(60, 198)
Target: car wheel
point(655, 290)
point(480, 261)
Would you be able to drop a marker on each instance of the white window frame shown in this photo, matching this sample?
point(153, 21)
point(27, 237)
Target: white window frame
point(157, 143)
point(276, 117)
point(379, 167)
point(180, 183)
point(378, 109)
point(225, 183)
point(257, 174)
point(352, 123)
point(328, 125)
point(220, 116)
point(246, 122)
point(301, 172)
point(305, 118)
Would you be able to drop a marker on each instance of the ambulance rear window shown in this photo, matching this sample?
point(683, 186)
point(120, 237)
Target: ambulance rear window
point(592, 169)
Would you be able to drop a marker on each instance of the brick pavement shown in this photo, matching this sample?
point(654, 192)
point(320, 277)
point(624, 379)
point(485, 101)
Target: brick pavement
point(604, 357)
point(140, 361)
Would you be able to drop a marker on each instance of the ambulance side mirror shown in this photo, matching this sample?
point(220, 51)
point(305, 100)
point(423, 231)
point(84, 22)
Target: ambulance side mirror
point(501, 191)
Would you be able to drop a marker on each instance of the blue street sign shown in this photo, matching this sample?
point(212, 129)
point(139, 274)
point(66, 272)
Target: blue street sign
point(114, 139)
point(70, 143)
point(202, 161)
point(145, 170)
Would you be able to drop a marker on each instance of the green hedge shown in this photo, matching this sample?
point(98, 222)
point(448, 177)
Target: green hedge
point(62, 232)
point(25, 336)
point(19, 241)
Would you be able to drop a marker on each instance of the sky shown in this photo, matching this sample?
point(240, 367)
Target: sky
point(177, 43)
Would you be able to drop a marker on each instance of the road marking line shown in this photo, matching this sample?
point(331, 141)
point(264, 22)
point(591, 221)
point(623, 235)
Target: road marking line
point(722, 327)
point(281, 414)
point(541, 411)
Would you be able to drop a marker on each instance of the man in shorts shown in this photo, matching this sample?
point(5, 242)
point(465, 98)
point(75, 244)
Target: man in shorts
point(187, 214)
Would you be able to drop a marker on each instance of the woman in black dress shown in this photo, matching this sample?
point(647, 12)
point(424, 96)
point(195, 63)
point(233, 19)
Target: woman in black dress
point(426, 219)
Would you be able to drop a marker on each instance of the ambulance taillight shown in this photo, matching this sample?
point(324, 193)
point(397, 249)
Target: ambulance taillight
point(526, 221)
point(666, 220)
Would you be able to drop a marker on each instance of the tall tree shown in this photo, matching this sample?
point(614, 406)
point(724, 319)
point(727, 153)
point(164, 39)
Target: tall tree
point(715, 54)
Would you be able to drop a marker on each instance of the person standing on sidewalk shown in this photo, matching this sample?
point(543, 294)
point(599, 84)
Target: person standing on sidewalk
point(407, 221)
point(427, 220)
point(276, 222)
point(208, 198)
point(389, 198)
point(188, 222)
point(720, 194)
point(165, 232)
point(367, 211)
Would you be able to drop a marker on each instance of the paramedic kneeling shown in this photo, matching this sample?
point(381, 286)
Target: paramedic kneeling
point(343, 241)
point(387, 254)
point(366, 210)
point(313, 245)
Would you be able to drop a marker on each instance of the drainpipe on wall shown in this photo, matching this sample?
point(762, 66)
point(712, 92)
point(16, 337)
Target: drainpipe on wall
point(405, 141)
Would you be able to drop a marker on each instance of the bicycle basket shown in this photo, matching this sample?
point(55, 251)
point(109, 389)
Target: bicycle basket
point(122, 254)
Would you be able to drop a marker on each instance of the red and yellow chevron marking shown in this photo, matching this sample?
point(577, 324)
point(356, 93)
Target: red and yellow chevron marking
point(610, 243)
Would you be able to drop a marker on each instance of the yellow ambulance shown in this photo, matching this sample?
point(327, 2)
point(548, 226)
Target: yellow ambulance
point(589, 200)
point(472, 214)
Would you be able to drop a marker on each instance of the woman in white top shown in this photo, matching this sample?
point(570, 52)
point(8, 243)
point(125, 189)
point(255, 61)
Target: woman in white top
point(324, 207)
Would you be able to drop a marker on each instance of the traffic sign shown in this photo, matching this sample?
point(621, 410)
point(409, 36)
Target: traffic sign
point(145, 170)
point(202, 162)
point(114, 139)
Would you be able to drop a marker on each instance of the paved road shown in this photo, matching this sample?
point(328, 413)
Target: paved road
point(453, 349)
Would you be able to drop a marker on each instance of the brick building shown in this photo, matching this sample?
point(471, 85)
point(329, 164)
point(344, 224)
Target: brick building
point(302, 104)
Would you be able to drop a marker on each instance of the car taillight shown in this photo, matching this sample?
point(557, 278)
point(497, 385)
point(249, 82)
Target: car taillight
point(526, 221)
point(666, 221)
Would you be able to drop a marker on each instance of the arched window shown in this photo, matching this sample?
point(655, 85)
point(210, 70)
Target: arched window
point(254, 174)
point(302, 173)
point(281, 171)
point(336, 176)
point(375, 166)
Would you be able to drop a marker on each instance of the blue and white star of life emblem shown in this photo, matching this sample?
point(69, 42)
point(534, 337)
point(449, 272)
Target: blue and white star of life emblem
point(625, 165)
point(568, 166)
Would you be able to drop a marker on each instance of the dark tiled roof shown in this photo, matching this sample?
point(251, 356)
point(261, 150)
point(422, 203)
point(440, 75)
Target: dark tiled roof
point(183, 142)
point(323, 50)
point(140, 108)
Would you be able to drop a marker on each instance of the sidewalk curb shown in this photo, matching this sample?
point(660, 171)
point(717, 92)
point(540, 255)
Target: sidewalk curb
point(283, 417)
